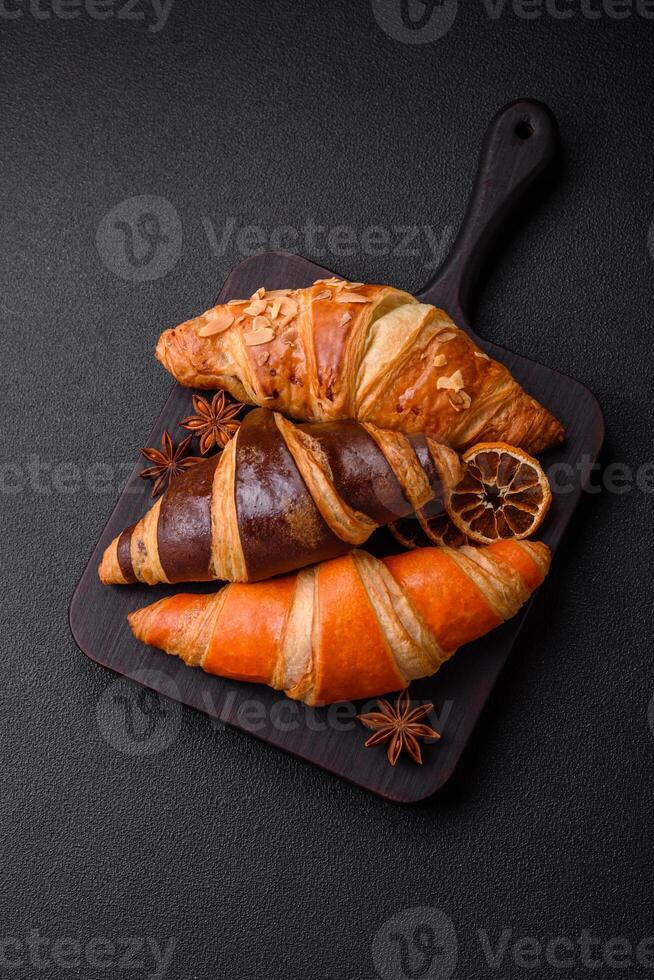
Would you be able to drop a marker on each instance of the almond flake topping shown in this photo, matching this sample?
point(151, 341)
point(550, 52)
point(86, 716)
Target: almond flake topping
point(347, 297)
point(342, 284)
point(444, 337)
point(333, 281)
point(323, 294)
point(455, 383)
point(215, 321)
point(258, 294)
point(256, 307)
point(345, 319)
point(260, 323)
point(440, 360)
point(480, 353)
point(255, 337)
point(274, 308)
point(275, 293)
point(289, 307)
point(236, 302)
point(460, 401)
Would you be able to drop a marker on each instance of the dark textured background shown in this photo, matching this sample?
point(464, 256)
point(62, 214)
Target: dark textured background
point(273, 114)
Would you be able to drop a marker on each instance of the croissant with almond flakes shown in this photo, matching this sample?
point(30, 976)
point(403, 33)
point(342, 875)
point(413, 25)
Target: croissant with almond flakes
point(351, 628)
point(341, 350)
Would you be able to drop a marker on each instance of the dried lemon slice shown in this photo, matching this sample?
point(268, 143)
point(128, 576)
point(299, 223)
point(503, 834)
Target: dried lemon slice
point(504, 494)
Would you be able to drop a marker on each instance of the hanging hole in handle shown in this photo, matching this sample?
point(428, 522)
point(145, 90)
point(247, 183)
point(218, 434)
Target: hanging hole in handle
point(524, 130)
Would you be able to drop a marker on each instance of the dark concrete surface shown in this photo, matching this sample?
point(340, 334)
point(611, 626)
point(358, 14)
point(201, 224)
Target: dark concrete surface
point(220, 856)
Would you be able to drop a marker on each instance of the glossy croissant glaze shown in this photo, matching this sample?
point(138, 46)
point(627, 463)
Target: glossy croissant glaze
point(279, 497)
point(350, 628)
point(340, 350)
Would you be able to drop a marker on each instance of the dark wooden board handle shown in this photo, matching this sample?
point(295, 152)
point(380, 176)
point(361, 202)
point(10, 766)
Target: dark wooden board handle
point(520, 144)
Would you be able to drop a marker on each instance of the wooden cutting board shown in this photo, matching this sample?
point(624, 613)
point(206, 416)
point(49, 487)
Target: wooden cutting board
point(520, 145)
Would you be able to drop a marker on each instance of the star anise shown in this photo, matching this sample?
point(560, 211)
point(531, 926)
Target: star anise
point(400, 726)
point(215, 423)
point(169, 462)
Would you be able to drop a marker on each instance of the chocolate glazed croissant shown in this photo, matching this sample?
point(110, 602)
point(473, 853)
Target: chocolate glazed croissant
point(341, 350)
point(279, 497)
point(350, 628)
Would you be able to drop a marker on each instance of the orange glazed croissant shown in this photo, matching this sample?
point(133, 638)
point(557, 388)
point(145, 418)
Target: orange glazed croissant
point(279, 497)
point(349, 628)
point(342, 350)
